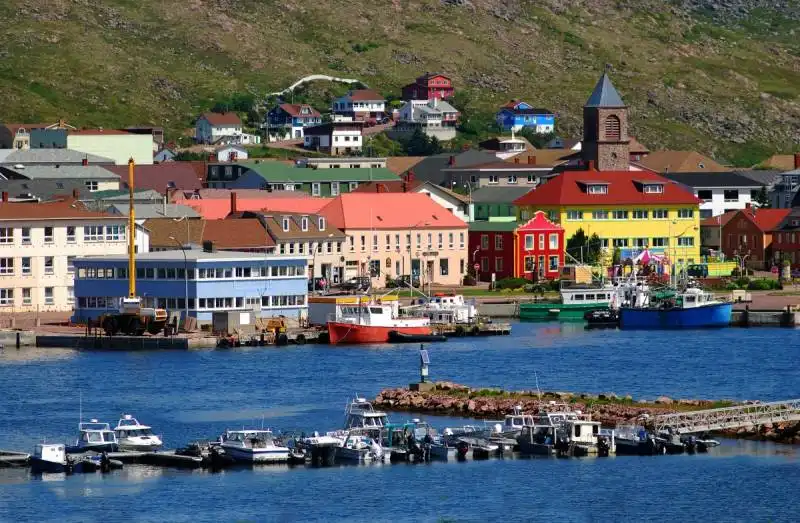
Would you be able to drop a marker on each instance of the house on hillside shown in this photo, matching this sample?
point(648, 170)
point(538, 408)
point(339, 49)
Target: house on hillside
point(499, 174)
point(517, 115)
point(335, 138)
point(429, 86)
point(434, 117)
point(288, 121)
point(718, 192)
point(222, 128)
point(363, 105)
point(230, 153)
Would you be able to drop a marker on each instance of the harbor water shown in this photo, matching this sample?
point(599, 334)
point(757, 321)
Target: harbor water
point(198, 394)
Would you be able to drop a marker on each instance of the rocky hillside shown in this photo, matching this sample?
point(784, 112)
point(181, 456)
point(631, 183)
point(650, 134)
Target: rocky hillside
point(721, 76)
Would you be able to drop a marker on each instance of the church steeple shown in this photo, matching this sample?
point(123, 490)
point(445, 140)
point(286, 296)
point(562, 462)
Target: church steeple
point(605, 128)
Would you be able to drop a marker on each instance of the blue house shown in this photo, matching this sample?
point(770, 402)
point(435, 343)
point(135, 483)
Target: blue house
point(517, 115)
point(217, 281)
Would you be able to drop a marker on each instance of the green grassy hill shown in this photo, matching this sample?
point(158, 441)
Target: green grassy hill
point(717, 81)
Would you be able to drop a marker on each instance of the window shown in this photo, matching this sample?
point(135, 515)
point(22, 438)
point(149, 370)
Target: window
point(653, 188)
point(7, 235)
point(498, 264)
point(620, 242)
point(484, 242)
point(541, 242)
point(599, 215)
point(612, 128)
point(91, 185)
point(48, 296)
point(660, 242)
point(705, 195)
point(388, 242)
point(597, 189)
point(115, 233)
point(321, 223)
point(334, 188)
point(374, 268)
point(285, 224)
point(685, 213)
point(619, 215)
point(71, 234)
point(6, 266)
point(122, 272)
point(444, 266)
point(363, 243)
point(26, 235)
point(93, 233)
point(686, 241)
point(529, 241)
point(6, 297)
point(493, 179)
point(553, 263)
point(604, 243)
point(660, 214)
point(553, 241)
point(441, 240)
point(531, 178)
point(352, 186)
point(374, 242)
point(498, 242)
point(430, 240)
point(731, 195)
point(640, 243)
point(315, 189)
point(512, 178)
point(48, 235)
point(485, 264)
point(70, 294)
point(304, 223)
point(574, 215)
point(552, 216)
point(639, 214)
point(26, 266)
point(26, 296)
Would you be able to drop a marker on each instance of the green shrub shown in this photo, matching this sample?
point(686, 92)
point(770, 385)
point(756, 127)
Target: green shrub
point(742, 282)
point(763, 285)
point(469, 281)
point(510, 283)
point(731, 287)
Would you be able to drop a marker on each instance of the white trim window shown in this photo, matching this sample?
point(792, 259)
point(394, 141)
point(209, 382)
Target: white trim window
point(660, 214)
point(315, 189)
point(6, 297)
point(685, 213)
point(93, 233)
point(6, 266)
point(26, 235)
point(573, 215)
point(26, 266)
point(334, 188)
point(7, 234)
point(685, 241)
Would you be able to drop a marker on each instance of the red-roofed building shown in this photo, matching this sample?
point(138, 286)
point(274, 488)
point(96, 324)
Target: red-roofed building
point(750, 232)
point(158, 176)
point(711, 229)
point(629, 210)
point(215, 204)
point(362, 104)
point(394, 234)
point(786, 239)
point(429, 86)
point(539, 249)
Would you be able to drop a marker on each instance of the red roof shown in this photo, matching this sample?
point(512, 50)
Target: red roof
point(67, 209)
point(624, 188)
point(242, 233)
point(716, 221)
point(539, 222)
point(766, 219)
point(388, 211)
point(157, 176)
point(222, 118)
point(362, 95)
point(294, 109)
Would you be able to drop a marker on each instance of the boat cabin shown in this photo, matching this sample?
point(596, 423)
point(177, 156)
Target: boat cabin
point(450, 308)
point(582, 431)
point(377, 313)
point(93, 433)
point(581, 294)
point(694, 297)
point(128, 427)
point(248, 438)
point(362, 415)
point(54, 453)
point(556, 414)
point(516, 421)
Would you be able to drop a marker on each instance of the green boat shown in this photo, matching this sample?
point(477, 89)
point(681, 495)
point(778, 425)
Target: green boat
point(576, 300)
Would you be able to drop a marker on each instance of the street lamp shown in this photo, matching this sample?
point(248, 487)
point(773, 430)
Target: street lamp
point(185, 279)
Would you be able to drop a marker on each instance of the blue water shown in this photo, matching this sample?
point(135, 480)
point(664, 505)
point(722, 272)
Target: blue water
point(188, 395)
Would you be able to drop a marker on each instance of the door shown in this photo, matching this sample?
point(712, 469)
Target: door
point(415, 268)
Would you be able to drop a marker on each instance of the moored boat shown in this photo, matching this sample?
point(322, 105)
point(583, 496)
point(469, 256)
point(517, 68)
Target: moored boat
point(94, 436)
point(372, 322)
point(253, 446)
point(49, 457)
point(576, 301)
point(692, 308)
point(132, 435)
point(399, 337)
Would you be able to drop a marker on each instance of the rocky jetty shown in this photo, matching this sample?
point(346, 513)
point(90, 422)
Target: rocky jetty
point(452, 399)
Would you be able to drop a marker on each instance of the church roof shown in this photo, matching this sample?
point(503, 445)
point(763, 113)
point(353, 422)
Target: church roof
point(604, 94)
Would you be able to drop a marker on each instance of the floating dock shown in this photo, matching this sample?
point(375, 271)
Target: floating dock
point(83, 342)
point(456, 330)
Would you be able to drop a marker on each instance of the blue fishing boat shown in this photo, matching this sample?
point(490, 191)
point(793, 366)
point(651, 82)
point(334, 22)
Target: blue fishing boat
point(691, 309)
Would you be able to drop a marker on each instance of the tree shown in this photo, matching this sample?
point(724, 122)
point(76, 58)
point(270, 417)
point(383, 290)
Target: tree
point(417, 144)
point(583, 248)
point(616, 258)
point(595, 250)
point(434, 146)
point(762, 198)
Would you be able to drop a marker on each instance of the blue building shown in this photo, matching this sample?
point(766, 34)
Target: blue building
point(217, 281)
point(517, 115)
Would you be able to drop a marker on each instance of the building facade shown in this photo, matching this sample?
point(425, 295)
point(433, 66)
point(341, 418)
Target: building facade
point(517, 115)
point(491, 249)
point(38, 245)
point(749, 233)
point(539, 249)
point(211, 127)
point(288, 121)
point(429, 86)
point(362, 105)
point(258, 284)
point(718, 192)
point(334, 138)
point(120, 146)
point(434, 117)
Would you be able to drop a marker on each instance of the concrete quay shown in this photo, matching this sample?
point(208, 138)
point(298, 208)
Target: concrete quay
point(83, 342)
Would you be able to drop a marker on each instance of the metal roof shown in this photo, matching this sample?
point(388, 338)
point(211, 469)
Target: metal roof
point(604, 94)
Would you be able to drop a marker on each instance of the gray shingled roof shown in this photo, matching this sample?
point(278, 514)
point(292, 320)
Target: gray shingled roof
point(42, 189)
point(61, 156)
point(499, 194)
point(604, 94)
point(703, 180)
point(767, 178)
point(48, 172)
point(145, 211)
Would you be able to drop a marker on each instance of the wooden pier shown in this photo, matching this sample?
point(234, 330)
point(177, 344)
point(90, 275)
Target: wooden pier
point(457, 330)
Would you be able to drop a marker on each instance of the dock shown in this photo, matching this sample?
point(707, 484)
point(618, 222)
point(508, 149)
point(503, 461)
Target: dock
point(457, 330)
point(102, 342)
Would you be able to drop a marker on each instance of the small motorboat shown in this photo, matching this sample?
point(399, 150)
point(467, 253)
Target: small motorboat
point(704, 443)
point(602, 319)
point(132, 435)
point(297, 457)
point(401, 337)
point(356, 448)
point(94, 436)
point(50, 457)
point(253, 446)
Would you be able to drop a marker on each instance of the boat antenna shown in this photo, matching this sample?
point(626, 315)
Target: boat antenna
point(80, 407)
point(538, 391)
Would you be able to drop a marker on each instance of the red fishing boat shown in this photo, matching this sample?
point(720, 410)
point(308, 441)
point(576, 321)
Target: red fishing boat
point(372, 323)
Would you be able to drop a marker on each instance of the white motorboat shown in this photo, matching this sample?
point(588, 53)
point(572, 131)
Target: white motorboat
point(449, 308)
point(359, 448)
point(94, 436)
point(253, 446)
point(515, 422)
point(48, 457)
point(361, 415)
point(132, 435)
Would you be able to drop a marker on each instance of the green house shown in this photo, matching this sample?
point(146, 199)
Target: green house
point(495, 202)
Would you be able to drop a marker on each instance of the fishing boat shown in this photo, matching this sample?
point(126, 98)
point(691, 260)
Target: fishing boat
point(581, 437)
point(359, 448)
point(636, 441)
point(253, 446)
point(449, 309)
point(576, 301)
point(514, 423)
point(94, 436)
point(537, 440)
point(132, 435)
point(371, 323)
point(49, 457)
point(361, 416)
point(692, 308)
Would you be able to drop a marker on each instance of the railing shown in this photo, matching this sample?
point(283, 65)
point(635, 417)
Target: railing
point(751, 415)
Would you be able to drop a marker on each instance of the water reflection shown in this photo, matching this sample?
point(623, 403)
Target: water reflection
point(32, 354)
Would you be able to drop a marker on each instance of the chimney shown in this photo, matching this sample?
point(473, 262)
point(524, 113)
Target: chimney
point(410, 176)
point(405, 186)
point(531, 160)
point(85, 162)
point(5, 197)
point(797, 160)
point(76, 193)
point(208, 246)
point(516, 160)
point(233, 202)
point(452, 161)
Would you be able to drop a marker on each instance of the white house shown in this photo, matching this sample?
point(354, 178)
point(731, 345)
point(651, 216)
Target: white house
point(118, 145)
point(335, 138)
point(433, 117)
point(231, 153)
point(361, 105)
point(211, 127)
point(719, 192)
point(38, 243)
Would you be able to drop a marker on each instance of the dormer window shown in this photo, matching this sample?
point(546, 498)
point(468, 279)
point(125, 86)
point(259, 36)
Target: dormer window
point(597, 188)
point(285, 224)
point(304, 223)
point(321, 223)
point(653, 188)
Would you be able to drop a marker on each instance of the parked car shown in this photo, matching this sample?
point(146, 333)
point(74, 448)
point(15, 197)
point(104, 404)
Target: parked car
point(403, 281)
point(359, 283)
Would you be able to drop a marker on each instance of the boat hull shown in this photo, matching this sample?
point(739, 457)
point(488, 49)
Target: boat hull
point(277, 455)
point(714, 315)
point(39, 465)
point(557, 311)
point(353, 333)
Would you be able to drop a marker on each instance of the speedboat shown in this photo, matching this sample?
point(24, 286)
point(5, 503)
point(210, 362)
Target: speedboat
point(361, 415)
point(132, 435)
point(359, 448)
point(253, 446)
point(635, 440)
point(94, 436)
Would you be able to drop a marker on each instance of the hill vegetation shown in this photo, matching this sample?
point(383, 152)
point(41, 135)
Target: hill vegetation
point(721, 77)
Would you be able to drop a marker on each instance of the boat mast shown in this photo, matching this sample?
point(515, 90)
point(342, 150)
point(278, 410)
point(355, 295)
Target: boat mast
point(131, 235)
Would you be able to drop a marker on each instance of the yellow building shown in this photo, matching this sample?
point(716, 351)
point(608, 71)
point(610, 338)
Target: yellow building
point(632, 210)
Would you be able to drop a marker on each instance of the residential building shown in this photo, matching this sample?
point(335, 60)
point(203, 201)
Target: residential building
point(517, 115)
point(506, 147)
point(50, 157)
point(429, 86)
point(680, 162)
point(335, 138)
point(288, 121)
point(432, 168)
point(631, 210)
point(749, 233)
point(500, 174)
point(32, 135)
point(784, 193)
point(215, 204)
point(119, 146)
point(434, 117)
point(491, 249)
point(361, 105)
point(239, 233)
point(711, 230)
point(217, 128)
point(343, 162)
point(539, 247)
point(251, 283)
point(162, 177)
point(785, 239)
point(94, 178)
point(230, 153)
point(488, 203)
point(394, 234)
point(456, 203)
point(718, 192)
point(38, 244)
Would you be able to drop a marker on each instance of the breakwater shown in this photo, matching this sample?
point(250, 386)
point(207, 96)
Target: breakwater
point(451, 399)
